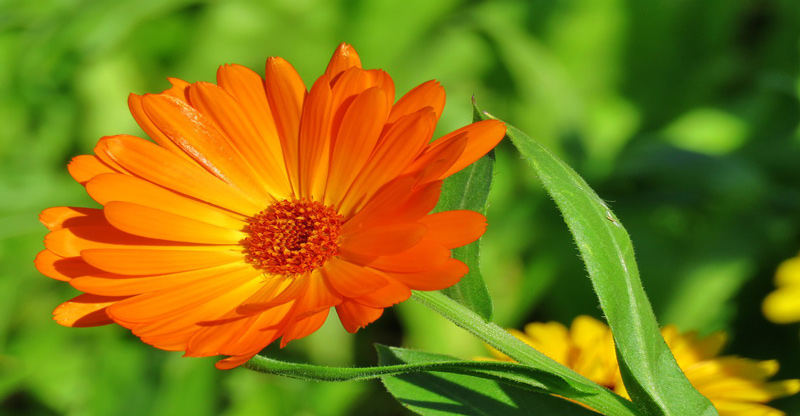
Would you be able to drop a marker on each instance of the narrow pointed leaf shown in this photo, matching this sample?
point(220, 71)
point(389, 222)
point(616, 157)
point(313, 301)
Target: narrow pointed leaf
point(593, 395)
point(652, 377)
point(460, 394)
point(469, 189)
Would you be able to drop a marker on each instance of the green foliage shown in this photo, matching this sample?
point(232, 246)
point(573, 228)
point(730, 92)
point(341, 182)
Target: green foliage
point(435, 393)
point(616, 89)
point(469, 189)
point(651, 375)
point(580, 389)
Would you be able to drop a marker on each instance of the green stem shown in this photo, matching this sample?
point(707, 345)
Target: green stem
point(511, 373)
point(603, 401)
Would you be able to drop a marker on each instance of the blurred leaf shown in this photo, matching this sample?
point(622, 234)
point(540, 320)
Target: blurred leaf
point(651, 375)
point(707, 130)
point(187, 388)
point(12, 375)
point(469, 189)
point(448, 394)
point(704, 298)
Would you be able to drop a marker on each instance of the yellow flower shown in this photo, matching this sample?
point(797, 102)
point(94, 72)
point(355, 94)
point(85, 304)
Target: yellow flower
point(783, 305)
point(736, 386)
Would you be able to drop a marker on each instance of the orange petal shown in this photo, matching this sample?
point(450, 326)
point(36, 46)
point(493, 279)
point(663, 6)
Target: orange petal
point(171, 342)
point(279, 290)
point(210, 339)
point(314, 145)
point(429, 94)
point(380, 78)
point(57, 218)
point(69, 242)
point(186, 317)
point(391, 294)
point(347, 86)
point(153, 223)
point(178, 89)
point(350, 84)
point(116, 187)
point(318, 296)
point(248, 89)
point(137, 110)
point(156, 165)
point(355, 316)
point(304, 326)
point(355, 141)
point(45, 262)
point(197, 136)
point(172, 339)
point(84, 311)
point(61, 268)
point(343, 58)
point(419, 203)
point(401, 144)
point(384, 240)
point(233, 362)
point(173, 335)
point(353, 82)
point(107, 284)
point(265, 329)
point(144, 261)
point(433, 163)
point(398, 201)
point(85, 167)
point(259, 339)
point(482, 137)
point(439, 278)
point(232, 120)
point(423, 256)
point(383, 203)
point(454, 228)
point(352, 280)
point(285, 94)
point(168, 303)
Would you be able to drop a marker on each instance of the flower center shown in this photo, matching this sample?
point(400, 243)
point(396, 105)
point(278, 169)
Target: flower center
point(292, 237)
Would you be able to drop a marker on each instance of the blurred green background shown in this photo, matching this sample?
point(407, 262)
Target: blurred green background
point(683, 115)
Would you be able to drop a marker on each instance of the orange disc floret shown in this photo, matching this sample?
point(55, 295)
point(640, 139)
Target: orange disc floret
point(292, 237)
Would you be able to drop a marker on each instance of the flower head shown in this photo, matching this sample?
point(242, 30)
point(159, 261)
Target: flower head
point(783, 305)
point(736, 386)
point(261, 206)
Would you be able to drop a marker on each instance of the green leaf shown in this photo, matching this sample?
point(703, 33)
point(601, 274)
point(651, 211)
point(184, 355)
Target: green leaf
point(518, 375)
point(450, 393)
point(588, 392)
point(652, 377)
point(469, 189)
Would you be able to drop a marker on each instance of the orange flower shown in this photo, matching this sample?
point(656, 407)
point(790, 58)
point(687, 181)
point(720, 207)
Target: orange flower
point(260, 206)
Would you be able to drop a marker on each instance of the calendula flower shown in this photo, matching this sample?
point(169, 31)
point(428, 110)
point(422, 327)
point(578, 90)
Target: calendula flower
point(261, 206)
point(783, 305)
point(736, 386)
